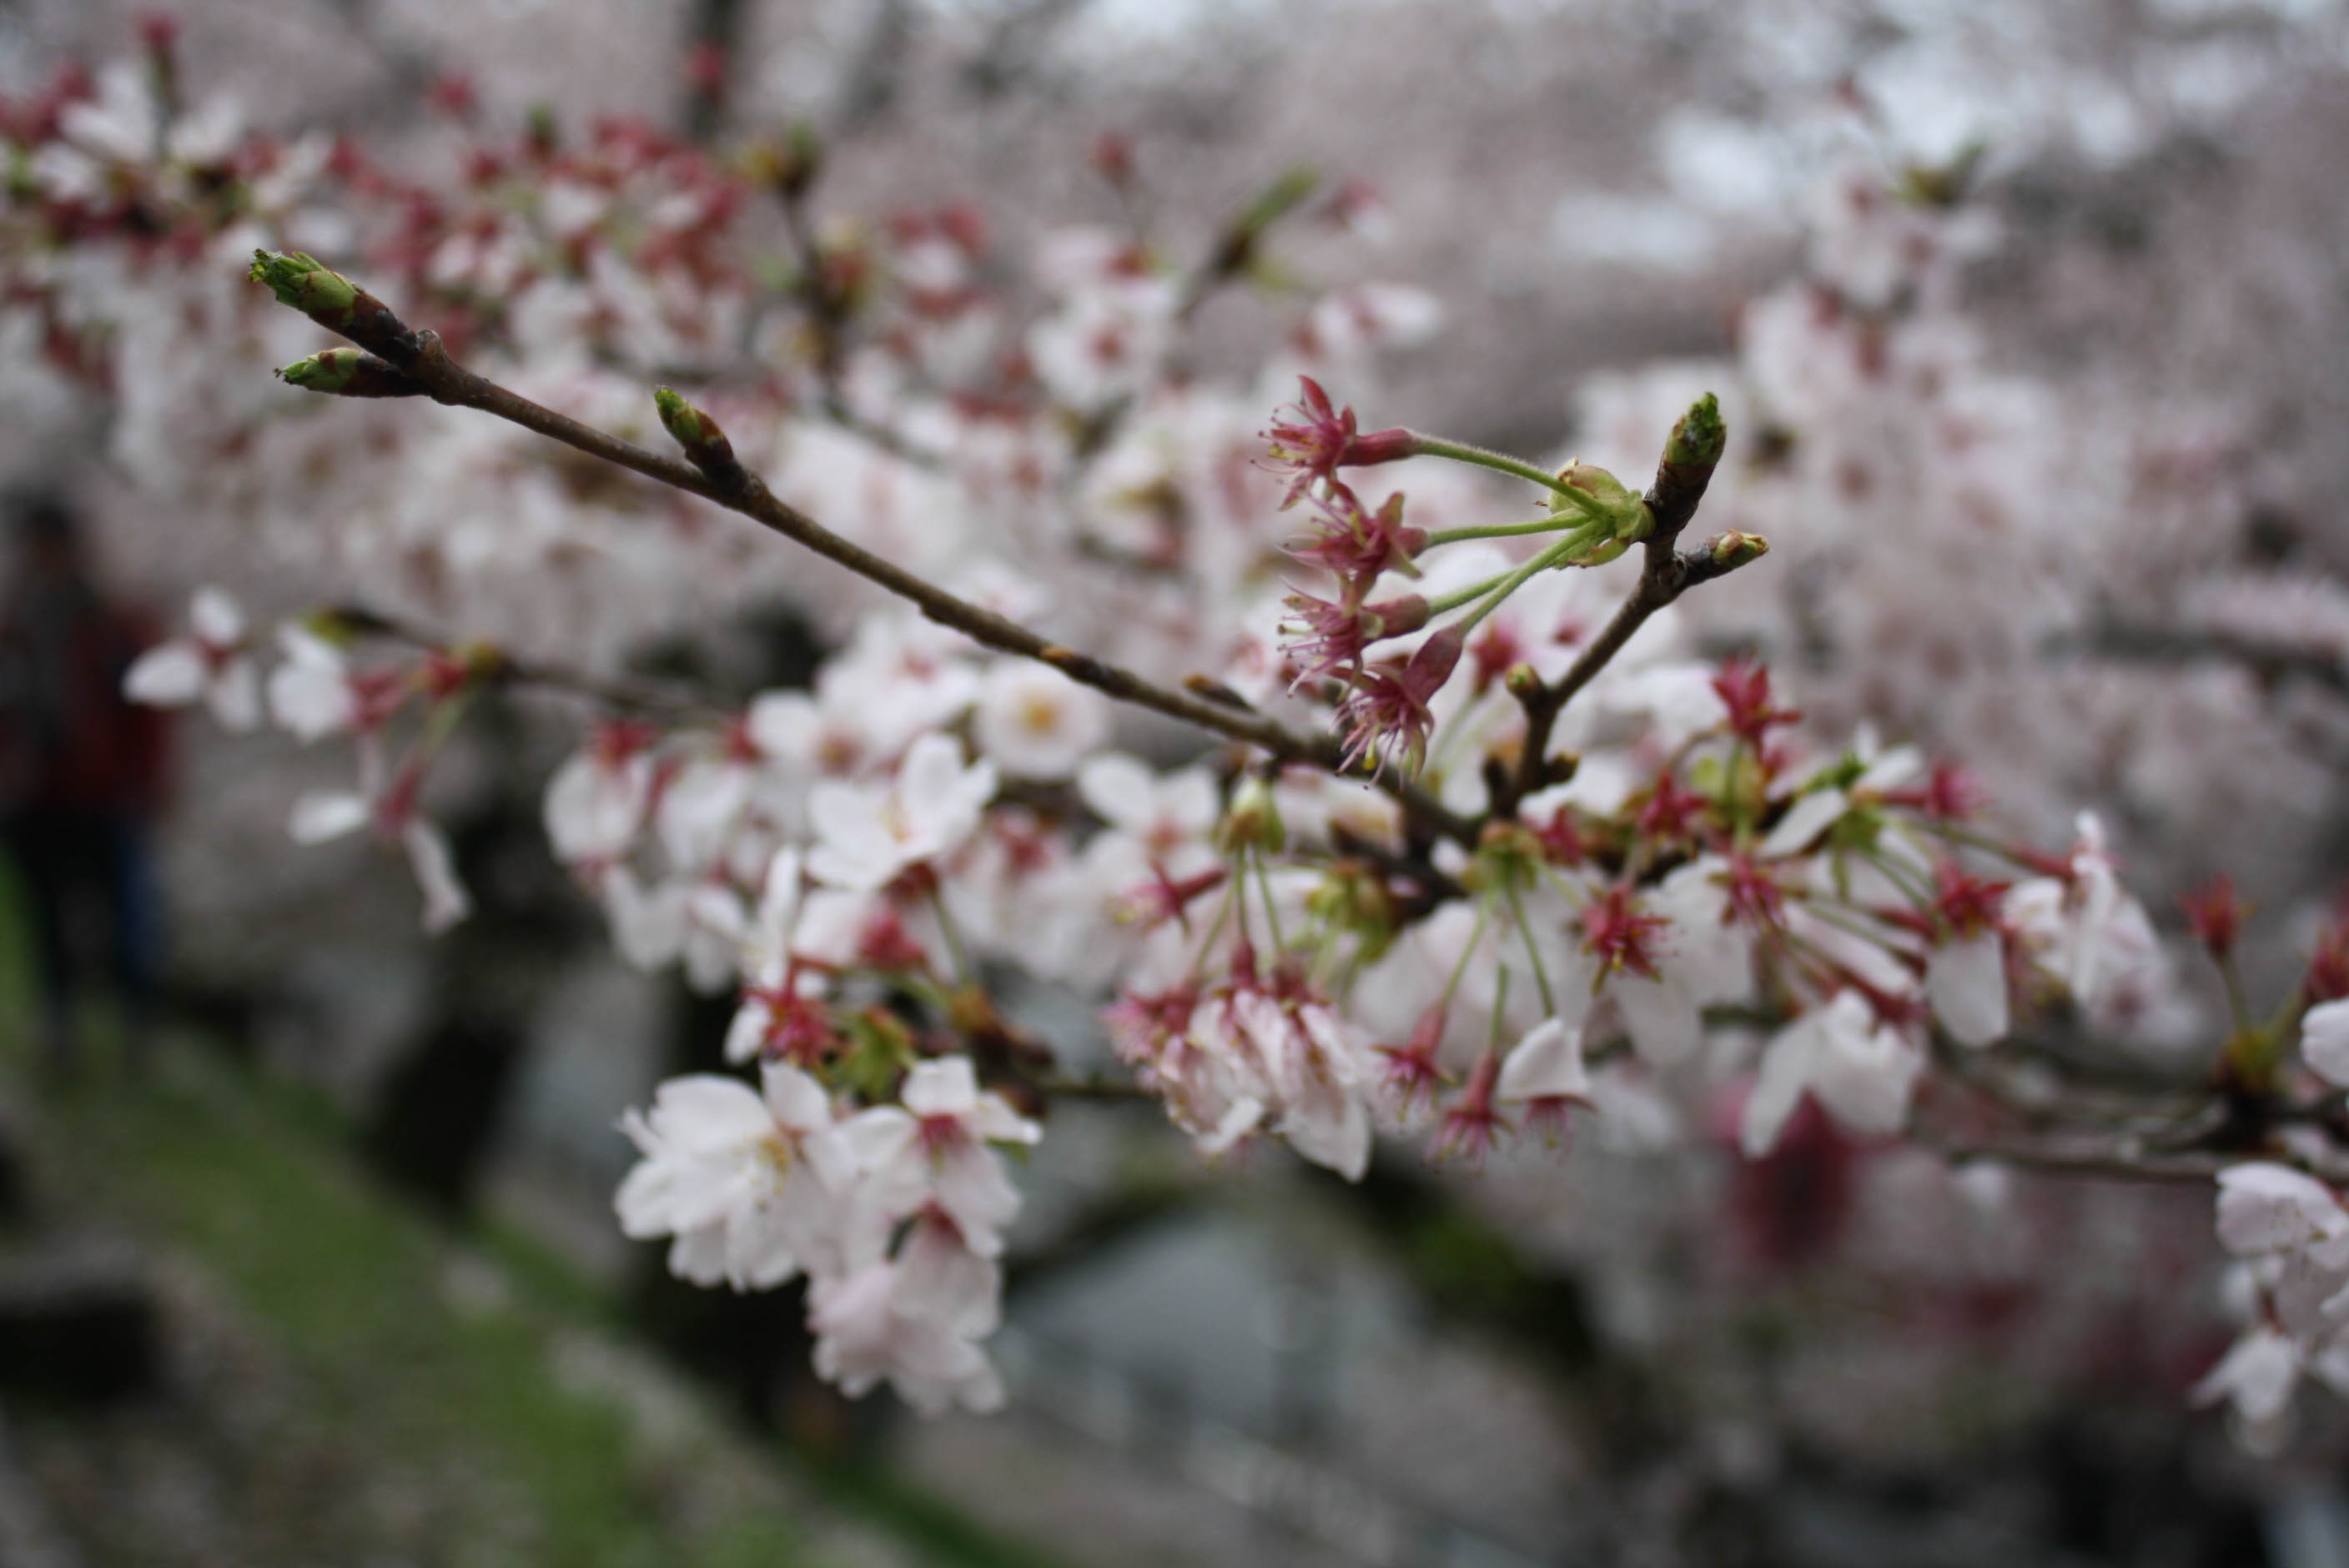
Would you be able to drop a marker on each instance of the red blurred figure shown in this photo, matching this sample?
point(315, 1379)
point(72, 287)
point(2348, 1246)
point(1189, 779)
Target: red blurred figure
point(82, 776)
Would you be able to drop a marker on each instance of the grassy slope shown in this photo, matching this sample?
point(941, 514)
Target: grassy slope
point(474, 1444)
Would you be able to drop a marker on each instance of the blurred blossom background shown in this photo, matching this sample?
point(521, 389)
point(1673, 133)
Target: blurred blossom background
point(2029, 324)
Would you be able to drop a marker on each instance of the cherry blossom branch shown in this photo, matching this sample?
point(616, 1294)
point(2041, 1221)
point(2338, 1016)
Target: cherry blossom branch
point(1686, 468)
point(409, 356)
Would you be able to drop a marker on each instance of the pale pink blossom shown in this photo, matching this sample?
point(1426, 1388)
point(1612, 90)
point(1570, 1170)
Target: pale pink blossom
point(913, 1321)
point(1545, 1064)
point(2265, 1208)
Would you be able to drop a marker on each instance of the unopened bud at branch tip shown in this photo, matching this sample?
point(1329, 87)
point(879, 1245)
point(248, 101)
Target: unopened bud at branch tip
point(305, 284)
point(1698, 440)
point(1734, 548)
point(691, 429)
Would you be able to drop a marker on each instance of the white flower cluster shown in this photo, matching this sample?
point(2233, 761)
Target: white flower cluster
point(2291, 1231)
point(759, 1187)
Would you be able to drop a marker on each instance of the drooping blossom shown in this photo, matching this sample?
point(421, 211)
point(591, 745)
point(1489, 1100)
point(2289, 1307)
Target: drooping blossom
point(1543, 1074)
point(1385, 713)
point(1859, 1070)
point(1309, 441)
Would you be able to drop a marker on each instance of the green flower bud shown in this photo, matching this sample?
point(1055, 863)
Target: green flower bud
point(305, 284)
point(1253, 822)
point(681, 418)
point(328, 370)
point(1700, 437)
point(1732, 548)
point(349, 373)
point(2249, 1058)
point(694, 430)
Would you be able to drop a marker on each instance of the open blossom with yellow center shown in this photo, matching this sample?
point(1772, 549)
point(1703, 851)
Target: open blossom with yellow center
point(1037, 723)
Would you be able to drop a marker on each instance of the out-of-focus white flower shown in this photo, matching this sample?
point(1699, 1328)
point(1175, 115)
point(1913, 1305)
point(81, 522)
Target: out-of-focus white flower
point(1106, 342)
point(311, 692)
point(700, 807)
point(2268, 1208)
point(711, 941)
point(1350, 324)
point(2087, 932)
point(122, 123)
point(1860, 1070)
point(2256, 1375)
point(320, 815)
point(211, 663)
point(1965, 985)
point(648, 926)
point(1318, 1082)
point(596, 801)
point(446, 901)
point(2324, 1041)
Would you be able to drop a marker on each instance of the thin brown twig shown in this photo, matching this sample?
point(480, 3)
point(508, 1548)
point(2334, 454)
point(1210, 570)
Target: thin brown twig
point(420, 356)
